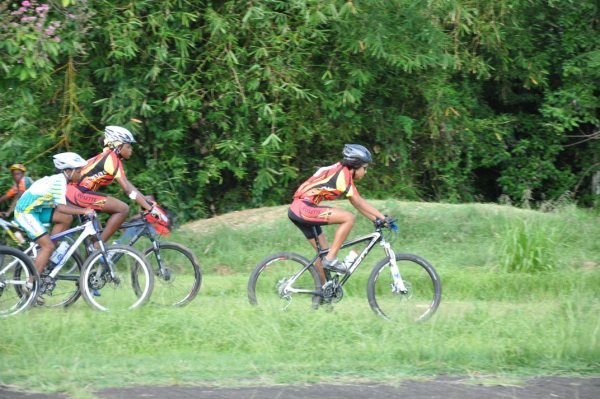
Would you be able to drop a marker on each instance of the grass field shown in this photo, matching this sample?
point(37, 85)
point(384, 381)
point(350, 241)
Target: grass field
point(491, 321)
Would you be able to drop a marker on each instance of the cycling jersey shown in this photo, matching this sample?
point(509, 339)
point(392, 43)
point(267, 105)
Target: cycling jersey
point(20, 187)
point(101, 170)
point(328, 183)
point(46, 192)
point(34, 208)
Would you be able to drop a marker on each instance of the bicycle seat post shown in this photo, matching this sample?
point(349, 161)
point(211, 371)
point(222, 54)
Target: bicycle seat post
point(319, 249)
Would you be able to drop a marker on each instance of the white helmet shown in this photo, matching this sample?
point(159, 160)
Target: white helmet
point(68, 160)
point(117, 135)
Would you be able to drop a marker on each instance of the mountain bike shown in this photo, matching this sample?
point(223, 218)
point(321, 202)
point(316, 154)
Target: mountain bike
point(63, 291)
point(400, 286)
point(176, 269)
point(104, 279)
point(16, 272)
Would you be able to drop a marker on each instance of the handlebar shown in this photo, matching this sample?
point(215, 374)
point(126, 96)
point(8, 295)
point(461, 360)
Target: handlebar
point(388, 222)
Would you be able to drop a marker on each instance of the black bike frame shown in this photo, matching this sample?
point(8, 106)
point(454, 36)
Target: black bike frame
point(372, 238)
point(144, 231)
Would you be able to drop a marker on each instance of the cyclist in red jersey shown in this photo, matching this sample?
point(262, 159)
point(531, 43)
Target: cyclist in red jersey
point(328, 183)
point(101, 171)
point(22, 183)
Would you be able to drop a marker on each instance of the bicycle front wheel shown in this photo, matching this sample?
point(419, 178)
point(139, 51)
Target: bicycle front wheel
point(177, 274)
point(275, 283)
point(126, 284)
point(19, 281)
point(424, 289)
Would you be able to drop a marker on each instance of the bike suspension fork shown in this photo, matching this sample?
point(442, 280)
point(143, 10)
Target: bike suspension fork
point(398, 285)
point(104, 253)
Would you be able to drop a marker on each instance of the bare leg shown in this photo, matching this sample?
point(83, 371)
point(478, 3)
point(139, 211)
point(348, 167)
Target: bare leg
point(318, 265)
point(46, 249)
point(61, 222)
point(118, 213)
point(346, 220)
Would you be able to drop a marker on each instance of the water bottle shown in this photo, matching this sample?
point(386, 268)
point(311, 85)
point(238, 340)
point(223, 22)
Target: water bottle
point(59, 253)
point(19, 237)
point(350, 258)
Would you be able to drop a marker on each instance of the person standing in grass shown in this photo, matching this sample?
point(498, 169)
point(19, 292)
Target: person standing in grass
point(329, 183)
point(22, 183)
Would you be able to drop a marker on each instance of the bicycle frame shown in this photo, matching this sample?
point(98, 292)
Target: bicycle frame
point(9, 229)
point(373, 239)
point(144, 231)
point(88, 229)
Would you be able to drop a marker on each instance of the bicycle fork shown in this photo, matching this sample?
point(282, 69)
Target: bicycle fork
point(108, 263)
point(398, 286)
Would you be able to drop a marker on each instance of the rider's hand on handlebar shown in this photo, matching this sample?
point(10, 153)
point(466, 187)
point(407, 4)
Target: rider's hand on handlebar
point(158, 213)
point(391, 223)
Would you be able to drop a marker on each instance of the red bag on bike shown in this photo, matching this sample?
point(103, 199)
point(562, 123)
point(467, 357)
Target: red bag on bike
point(161, 225)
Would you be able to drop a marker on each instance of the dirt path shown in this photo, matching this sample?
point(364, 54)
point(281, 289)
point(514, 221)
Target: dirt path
point(439, 388)
point(238, 219)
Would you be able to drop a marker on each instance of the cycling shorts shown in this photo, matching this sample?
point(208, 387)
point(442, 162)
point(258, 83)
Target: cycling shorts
point(33, 222)
point(84, 198)
point(307, 216)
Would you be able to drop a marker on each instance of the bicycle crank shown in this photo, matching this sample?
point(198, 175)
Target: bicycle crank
point(332, 292)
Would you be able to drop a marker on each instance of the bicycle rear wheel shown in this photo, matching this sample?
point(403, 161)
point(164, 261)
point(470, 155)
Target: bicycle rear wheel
point(17, 293)
point(424, 290)
point(130, 286)
point(66, 289)
point(269, 286)
point(178, 281)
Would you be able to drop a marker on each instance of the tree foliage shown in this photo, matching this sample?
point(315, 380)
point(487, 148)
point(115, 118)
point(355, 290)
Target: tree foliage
point(234, 103)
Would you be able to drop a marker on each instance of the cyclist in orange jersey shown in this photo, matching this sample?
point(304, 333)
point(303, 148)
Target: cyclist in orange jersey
point(22, 183)
point(101, 171)
point(328, 183)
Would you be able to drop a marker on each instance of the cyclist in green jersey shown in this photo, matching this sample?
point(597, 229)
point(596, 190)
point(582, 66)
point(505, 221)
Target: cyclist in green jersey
point(45, 202)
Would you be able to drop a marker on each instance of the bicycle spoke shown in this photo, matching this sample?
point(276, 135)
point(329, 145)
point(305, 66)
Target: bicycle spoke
point(177, 278)
point(129, 287)
point(17, 289)
point(64, 289)
point(271, 285)
point(422, 294)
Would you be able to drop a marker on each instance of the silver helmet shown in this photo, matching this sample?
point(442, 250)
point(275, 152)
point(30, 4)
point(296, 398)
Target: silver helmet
point(356, 155)
point(117, 135)
point(68, 160)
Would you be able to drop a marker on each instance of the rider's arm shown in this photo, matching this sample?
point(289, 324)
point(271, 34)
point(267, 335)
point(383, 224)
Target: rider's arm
point(12, 206)
point(73, 210)
point(133, 193)
point(365, 208)
point(4, 198)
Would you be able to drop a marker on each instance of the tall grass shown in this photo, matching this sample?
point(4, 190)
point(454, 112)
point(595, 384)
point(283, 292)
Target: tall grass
point(529, 247)
point(490, 321)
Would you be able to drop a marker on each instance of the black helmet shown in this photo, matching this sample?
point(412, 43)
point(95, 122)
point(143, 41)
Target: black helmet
point(355, 155)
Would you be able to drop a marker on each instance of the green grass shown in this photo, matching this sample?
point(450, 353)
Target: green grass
point(490, 321)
